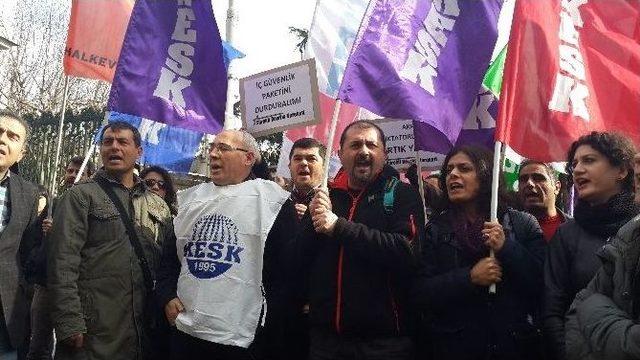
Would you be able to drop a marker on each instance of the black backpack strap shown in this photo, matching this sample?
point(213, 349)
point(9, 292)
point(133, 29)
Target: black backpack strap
point(133, 236)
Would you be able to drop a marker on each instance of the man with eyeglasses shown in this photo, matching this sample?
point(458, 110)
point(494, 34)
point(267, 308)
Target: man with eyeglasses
point(211, 278)
point(99, 283)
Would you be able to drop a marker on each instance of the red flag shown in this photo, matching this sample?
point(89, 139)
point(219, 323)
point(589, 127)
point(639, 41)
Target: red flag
point(573, 67)
point(94, 40)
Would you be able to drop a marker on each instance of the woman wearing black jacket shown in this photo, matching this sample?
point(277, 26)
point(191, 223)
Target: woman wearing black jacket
point(461, 320)
point(601, 166)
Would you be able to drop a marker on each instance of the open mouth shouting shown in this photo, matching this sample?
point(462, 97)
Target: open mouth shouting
point(216, 167)
point(531, 195)
point(581, 183)
point(363, 164)
point(304, 173)
point(115, 159)
point(455, 187)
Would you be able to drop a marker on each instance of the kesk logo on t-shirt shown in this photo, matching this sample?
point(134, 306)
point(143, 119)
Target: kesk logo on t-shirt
point(213, 248)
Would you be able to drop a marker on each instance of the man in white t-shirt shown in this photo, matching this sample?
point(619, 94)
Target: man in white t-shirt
point(210, 282)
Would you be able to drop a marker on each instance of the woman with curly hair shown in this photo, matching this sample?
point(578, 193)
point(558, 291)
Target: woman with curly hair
point(160, 183)
point(461, 320)
point(600, 165)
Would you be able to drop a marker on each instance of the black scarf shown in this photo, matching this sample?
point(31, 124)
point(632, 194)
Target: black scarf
point(605, 219)
point(468, 234)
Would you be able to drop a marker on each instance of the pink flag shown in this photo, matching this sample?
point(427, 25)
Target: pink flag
point(94, 40)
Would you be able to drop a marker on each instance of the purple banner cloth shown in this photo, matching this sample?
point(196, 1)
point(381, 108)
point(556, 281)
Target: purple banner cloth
point(171, 68)
point(478, 129)
point(422, 60)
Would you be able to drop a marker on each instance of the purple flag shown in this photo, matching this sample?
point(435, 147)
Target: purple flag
point(422, 60)
point(171, 68)
point(478, 129)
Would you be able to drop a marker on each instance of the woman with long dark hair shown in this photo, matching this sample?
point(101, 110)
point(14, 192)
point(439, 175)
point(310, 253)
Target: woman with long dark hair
point(601, 168)
point(159, 181)
point(461, 319)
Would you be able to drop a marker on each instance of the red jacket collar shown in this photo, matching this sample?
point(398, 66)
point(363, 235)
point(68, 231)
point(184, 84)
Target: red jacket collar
point(341, 181)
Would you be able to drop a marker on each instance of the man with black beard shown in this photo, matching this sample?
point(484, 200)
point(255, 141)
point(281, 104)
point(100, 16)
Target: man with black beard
point(360, 244)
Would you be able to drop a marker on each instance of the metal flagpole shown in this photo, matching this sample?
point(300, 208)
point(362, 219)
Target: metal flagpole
point(54, 177)
point(330, 139)
point(92, 149)
point(230, 120)
point(495, 181)
point(421, 184)
point(87, 156)
point(572, 200)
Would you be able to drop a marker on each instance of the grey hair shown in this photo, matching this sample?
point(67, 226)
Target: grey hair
point(251, 145)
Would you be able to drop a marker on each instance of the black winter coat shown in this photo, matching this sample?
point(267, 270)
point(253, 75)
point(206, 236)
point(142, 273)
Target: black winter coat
point(462, 320)
point(359, 276)
point(570, 264)
point(285, 288)
point(603, 321)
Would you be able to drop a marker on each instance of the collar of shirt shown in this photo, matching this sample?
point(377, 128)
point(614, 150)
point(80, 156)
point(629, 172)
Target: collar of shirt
point(300, 197)
point(5, 180)
point(138, 185)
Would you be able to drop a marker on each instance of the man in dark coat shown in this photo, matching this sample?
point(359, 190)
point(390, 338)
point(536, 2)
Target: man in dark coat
point(18, 231)
point(96, 282)
point(286, 289)
point(361, 244)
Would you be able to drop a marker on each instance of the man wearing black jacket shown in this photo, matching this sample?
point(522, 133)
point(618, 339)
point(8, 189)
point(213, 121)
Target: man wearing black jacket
point(361, 244)
point(286, 326)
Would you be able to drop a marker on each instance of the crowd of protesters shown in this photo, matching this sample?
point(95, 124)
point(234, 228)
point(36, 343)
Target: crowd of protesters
point(363, 269)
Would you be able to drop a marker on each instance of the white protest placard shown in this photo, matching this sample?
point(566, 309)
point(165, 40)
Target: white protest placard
point(400, 146)
point(280, 99)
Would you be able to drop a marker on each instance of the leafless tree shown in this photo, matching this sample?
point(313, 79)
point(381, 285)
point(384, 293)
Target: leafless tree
point(31, 76)
point(302, 36)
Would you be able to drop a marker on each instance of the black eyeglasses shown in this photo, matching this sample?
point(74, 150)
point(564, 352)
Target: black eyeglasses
point(223, 148)
point(153, 182)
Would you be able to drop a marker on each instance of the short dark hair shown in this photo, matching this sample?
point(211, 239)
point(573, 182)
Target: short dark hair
point(548, 169)
point(121, 125)
point(78, 160)
point(309, 143)
point(18, 118)
point(364, 124)
point(617, 148)
point(170, 198)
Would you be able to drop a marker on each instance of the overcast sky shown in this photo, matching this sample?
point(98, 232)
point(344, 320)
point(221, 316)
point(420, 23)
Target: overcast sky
point(262, 30)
